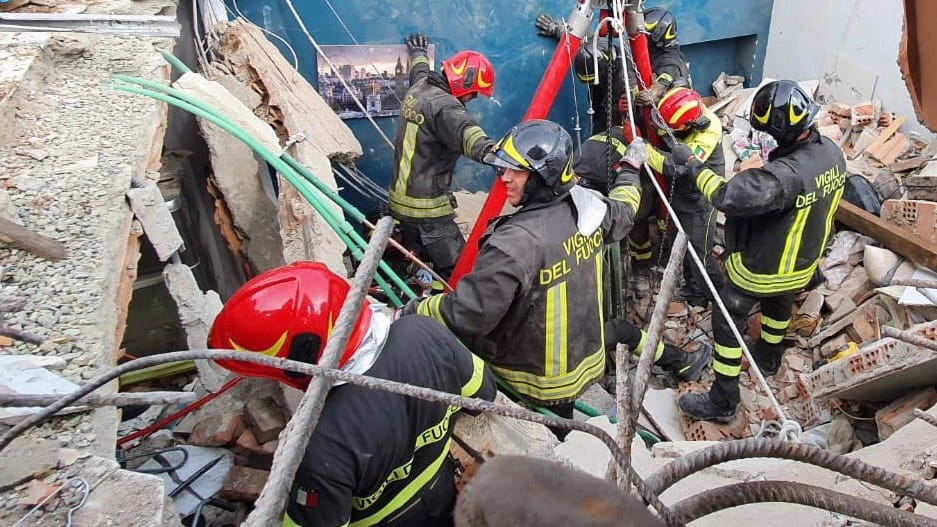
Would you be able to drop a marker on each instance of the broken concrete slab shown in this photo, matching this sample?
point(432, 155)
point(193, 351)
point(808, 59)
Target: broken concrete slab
point(497, 435)
point(27, 458)
point(20, 375)
point(292, 107)
point(901, 411)
point(149, 207)
point(236, 171)
point(197, 312)
point(589, 454)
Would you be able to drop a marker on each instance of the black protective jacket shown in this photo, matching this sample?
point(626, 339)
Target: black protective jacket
point(532, 305)
point(778, 217)
point(381, 459)
point(670, 68)
point(433, 130)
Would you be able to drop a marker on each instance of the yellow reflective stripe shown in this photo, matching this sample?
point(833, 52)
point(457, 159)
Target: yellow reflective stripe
point(643, 344)
point(794, 239)
point(727, 352)
point(437, 207)
point(834, 204)
point(406, 158)
point(766, 284)
point(725, 369)
point(655, 159)
point(470, 136)
point(407, 493)
point(555, 388)
point(471, 386)
point(774, 324)
point(418, 59)
point(600, 293)
point(619, 146)
point(643, 256)
point(645, 245)
point(708, 182)
point(628, 195)
point(665, 78)
point(771, 338)
point(555, 337)
point(431, 308)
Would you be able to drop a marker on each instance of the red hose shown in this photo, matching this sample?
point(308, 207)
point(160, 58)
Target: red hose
point(162, 423)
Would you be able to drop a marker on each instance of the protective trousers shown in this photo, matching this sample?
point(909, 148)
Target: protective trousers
point(438, 240)
point(727, 359)
point(698, 218)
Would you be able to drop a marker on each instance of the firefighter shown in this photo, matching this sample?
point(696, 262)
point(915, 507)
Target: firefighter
point(778, 219)
point(669, 66)
point(699, 128)
point(375, 458)
point(532, 305)
point(433, 130)
point(590, 167)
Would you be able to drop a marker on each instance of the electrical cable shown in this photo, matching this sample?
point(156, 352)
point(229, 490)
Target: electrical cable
point(237, 10)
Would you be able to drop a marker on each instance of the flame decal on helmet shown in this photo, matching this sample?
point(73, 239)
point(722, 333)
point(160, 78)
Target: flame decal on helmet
point(567, 174)
point(460, 68)
point(795, 118)
point(650, 25)
point(272, 351)
point(763, 119)
point(481, 82)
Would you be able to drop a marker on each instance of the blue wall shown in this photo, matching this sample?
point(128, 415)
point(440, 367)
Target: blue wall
point(717, 36)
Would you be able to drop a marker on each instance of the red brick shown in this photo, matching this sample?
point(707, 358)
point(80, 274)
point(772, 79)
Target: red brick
point(243, 484)
point(901, 412)
point(266, 418)
point(217, 430)
point(256, 455)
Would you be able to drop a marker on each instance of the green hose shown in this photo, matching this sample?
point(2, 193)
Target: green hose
point(343, 229)
point(174, 61)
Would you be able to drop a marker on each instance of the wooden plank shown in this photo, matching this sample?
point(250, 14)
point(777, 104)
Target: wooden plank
point(898, 240)
point(28, 240)
point(892, 149)
point(886, 134)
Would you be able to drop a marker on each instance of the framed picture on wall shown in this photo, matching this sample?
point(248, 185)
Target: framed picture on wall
point(376, 75)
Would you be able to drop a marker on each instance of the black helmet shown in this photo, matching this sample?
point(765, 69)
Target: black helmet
point(783, 110)
point(540, 147)
point(584, 65)
point(661, 26)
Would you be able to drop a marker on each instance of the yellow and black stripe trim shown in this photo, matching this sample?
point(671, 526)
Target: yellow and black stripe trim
point(470, 138)
point(628, 195)
point(405, 205)
point(766, 284)
point(708, 182)
point(556, 326)
point(727, 360)
point(643, 344)
point(556, 388)
point(795, 236)
point(431, 308)
point(772, 331)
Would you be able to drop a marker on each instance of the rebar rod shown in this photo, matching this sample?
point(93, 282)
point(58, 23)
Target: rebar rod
point(910, 337)
point(418, 392)
point(912, 282)
point(623, 400)
point(728, 496)
point(693, 462)
point(271, 505)
point(116, 399)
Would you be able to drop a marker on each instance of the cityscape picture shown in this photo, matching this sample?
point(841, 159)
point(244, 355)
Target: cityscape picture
point(376, 75)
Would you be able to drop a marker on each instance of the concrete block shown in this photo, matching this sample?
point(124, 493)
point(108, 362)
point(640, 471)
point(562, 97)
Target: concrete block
point(217, 430)
point(243, 484)
point(589, 454)
point(901, 411)
point(916, 216)
point(258, 455)
point(879, 371)
point(497, 435)
point(265, 418)
point(150, 208)
point(26, 458)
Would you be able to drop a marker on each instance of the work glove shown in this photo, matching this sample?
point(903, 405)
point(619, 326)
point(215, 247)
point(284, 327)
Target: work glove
point(548, 26)
point(409, 308)
point(681, 163)
point(416, 43)
point(636, 154)
point(650, 96)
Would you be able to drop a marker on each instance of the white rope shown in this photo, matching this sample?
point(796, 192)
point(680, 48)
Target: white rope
point(302, 26)
point(790, 429)
point(572, 78)
point(237, 10)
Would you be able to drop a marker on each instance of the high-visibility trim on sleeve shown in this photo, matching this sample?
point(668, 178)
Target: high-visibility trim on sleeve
point(470, 136)
point(430, 308)
point(627, 194)
point(471, 386)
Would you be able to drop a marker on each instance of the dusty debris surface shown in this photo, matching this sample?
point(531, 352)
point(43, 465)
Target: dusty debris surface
point(70, 145)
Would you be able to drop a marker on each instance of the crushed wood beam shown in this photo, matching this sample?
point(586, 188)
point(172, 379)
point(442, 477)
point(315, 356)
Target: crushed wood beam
point(886, 134)
point(99, 399)
point(124, 25)
point(900, 241)
point(29, 240)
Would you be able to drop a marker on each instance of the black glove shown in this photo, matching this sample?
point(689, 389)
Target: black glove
point(416, 43)
point(678, 161)
point(410, 307)
point(548, 26)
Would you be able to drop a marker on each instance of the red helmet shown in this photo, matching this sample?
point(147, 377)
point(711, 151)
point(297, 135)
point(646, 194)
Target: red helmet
point(287, 312)
point(469, 72)
point(681, 107)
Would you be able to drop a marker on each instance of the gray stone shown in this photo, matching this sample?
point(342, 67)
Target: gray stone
point(27, 458)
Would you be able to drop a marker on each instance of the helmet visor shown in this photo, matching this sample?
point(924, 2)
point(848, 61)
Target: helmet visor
point(500, 158)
